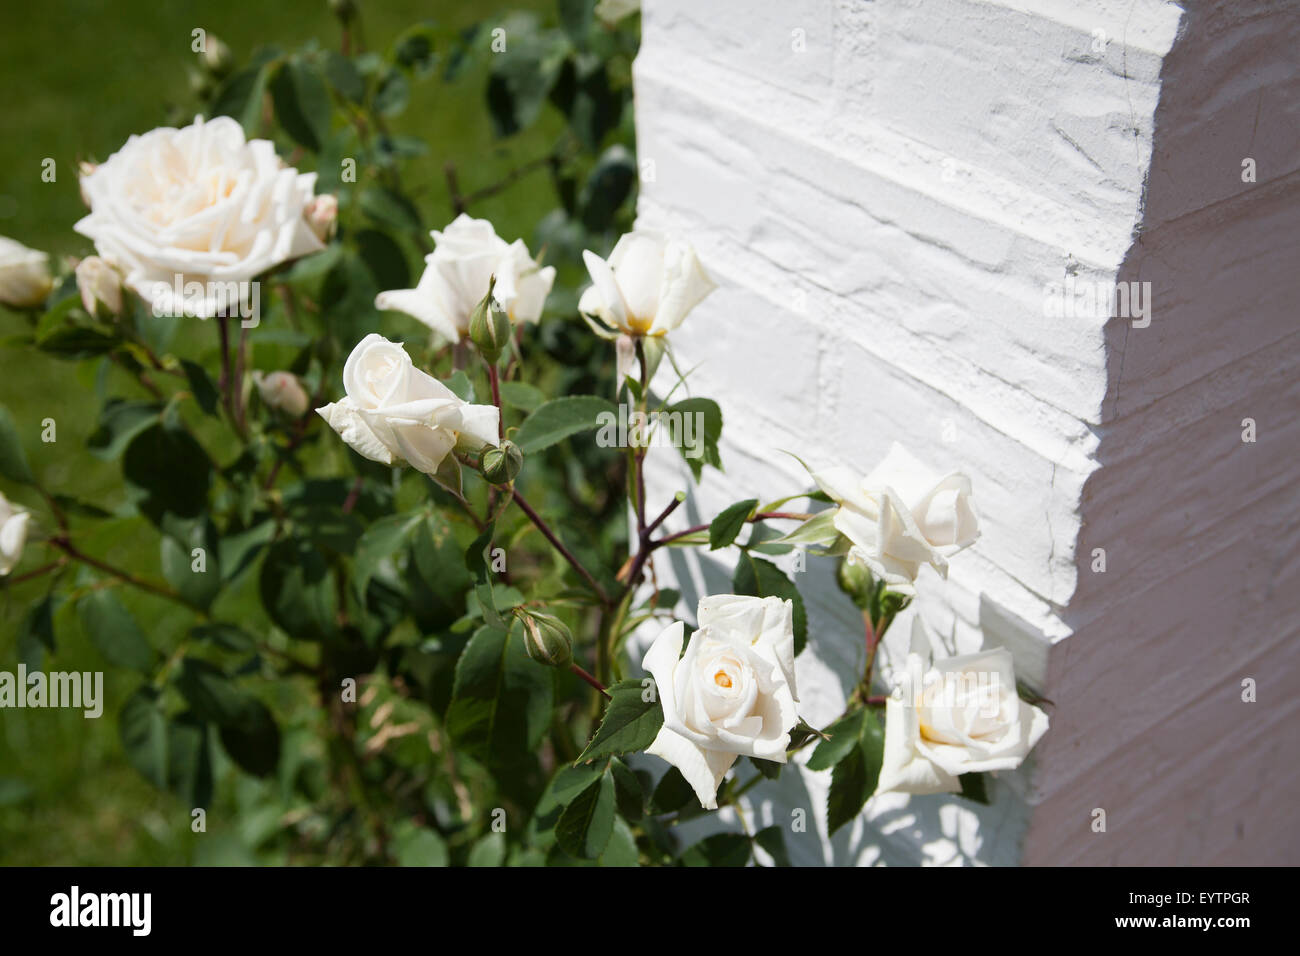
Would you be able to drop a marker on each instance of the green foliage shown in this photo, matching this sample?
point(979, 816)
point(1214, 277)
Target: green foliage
point(327, 648)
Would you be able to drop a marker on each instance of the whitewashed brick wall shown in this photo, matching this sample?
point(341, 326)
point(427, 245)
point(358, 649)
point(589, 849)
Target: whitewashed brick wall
point(883, 189)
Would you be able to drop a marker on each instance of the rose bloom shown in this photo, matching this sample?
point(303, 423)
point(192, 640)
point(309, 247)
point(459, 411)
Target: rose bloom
point(902, 515)
point(24, 274)
point(953, 716)
point(196, 205)
point(456, 277)
point(283, 392)
point(13, 534)
point(394, 413)
point(732, 694)
point(647, 286)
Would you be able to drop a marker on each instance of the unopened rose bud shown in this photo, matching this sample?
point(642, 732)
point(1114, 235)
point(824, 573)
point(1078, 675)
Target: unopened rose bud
point(24, 275)
point(216, 57)
point(283, 392)
point(501, 464)
point(856, 581)
point(100, 287)
point(322, 215)
point(345, 10)
point(489, 327)
point(546, 638)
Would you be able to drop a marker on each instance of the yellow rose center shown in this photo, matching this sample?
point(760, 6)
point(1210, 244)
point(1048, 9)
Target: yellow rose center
point(721, 679)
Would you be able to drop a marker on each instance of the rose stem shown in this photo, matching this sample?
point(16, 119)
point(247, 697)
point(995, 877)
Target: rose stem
point(550, 535)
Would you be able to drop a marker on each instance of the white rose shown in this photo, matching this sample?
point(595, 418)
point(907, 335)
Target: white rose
point(647, 287)
point(902, 515)
point(197, 205)
point(958, 715)
point(13, 534)
point(733, 694)
point(24, 274)
point(282, 391)
point(393, 412)
point(99, 284)
point(456, 277)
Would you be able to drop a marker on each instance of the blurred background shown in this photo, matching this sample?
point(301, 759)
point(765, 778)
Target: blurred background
point(80, 77)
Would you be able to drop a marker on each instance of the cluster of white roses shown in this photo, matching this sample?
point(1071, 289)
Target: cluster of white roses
point(203, 203)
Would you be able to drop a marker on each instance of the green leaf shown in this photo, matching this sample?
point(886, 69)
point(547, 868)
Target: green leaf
point(143, 729)
point(628, 792)
point(576, 17)
point(38, 623)
point(974, 787)
point(199, 588)
point(621, 849)
point(854, 778)
point(819, 530)
point(391, 209)
point(844, 734)
point(522, 396)
point(559, 418)
point(489, 851)
point(709, 436)
point(114, 632)
point(501, 700)
point(254, 743)
point(522, 76)
point(379, 542)
point(763, 579)
point(248, 731)
point(173, 754)
point(772, 839)
point(721, 849)
point(343, 76)
point(302, 103)
point(460, 383)
point(13, 459)
point(393, 94)
point(297, 590)
point(584, 827)
point(671, 793)
point(607, 187)
point(241, 97)
point(77, 342)
point(418, 846)
point(768, 768)
point(201, 387)
point(167, 472)
point(226, 636)
point(119, 422)
point(728, 524)
point(630, 723)
point(212, 695)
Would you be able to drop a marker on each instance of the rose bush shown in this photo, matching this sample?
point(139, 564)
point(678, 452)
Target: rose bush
point(409, 584)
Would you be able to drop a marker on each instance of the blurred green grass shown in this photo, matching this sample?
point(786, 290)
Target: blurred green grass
point(81, 76)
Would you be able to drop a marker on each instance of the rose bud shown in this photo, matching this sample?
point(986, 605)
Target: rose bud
point(489, 328)
point(217, 58)
point(500, 465)
point(283, 392)
point(546, 638)
point(100, 287)
point(322, 215)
